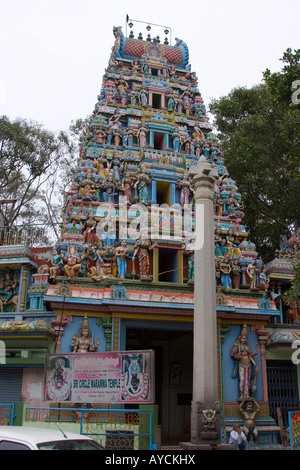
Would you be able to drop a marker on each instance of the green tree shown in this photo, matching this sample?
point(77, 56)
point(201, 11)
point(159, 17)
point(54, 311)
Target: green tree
point(260, 138)
point(283, 85)
point(292, 295)
point(30, 157)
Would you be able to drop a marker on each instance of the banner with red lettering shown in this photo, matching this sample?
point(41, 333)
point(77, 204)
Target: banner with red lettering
point(115, 377)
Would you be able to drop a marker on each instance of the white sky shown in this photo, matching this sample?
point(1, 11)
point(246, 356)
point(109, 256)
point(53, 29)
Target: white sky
point(54, 52)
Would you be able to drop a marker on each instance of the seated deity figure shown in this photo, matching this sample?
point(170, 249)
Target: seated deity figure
point(73, 262)
point(7, 289)
point(83, 343)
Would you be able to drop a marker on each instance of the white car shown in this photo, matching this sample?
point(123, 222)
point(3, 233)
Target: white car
point(27, 438)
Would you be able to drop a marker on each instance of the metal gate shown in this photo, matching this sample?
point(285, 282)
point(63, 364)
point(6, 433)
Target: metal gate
point(282, 388)
point(10, 384)
point(114, 429)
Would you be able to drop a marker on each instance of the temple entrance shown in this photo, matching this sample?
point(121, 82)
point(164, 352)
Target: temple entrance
point(173, 377)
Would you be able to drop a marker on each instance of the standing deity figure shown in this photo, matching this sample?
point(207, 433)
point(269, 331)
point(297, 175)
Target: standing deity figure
point(171, 102)
point(126, 187)
point(90, 235)
point(142, 133)
point(99, 258)
point(186, 189)
point(236, 271)
point(251, 271)
point(102, 164)
point(116, 166)
point(141, 185)
point(188, 250)
point(142, 248)
point(122, 254)
point(176, 140)
point(83, 343)
point(57, 264)
point(225, 269)
point(241, 352)
point(110, 188)
point(143, 97)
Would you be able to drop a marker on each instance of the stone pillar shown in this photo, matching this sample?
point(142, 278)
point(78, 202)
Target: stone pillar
point(59, 325)
point(23, 289)
point(262, 339)
point(206, 409)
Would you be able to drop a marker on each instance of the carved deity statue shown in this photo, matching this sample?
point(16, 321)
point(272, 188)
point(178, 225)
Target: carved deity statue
point(185, 189)
point(251, 271)
point(241, 352)
point(122, 254)
point(73, 261)
point(142, 248)
point(143, 179)
point(57, 264)
point(249, 409)
point(90, 235)
point(83, 343)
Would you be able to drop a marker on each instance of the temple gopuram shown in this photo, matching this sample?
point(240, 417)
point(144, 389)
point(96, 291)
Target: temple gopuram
point(123, 266)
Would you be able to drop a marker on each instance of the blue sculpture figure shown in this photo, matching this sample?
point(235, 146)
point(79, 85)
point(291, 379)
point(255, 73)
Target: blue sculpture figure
point(176, 140)
point(122, 254)
point(225, 269)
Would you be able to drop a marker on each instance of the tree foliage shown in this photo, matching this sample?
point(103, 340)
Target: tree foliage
point(259, 129)
point(30, 158)
point(292, 295)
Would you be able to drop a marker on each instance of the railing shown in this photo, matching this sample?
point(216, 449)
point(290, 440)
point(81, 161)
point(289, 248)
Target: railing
point(294, 426)
point(7, 414)
point(28, 235)
point(113, 429)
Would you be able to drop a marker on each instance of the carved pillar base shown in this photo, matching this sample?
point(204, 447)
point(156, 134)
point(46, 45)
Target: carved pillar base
point(205, 429)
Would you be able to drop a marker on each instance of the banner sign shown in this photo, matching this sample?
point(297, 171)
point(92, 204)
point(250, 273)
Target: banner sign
point(294, 427)
point(115, 377)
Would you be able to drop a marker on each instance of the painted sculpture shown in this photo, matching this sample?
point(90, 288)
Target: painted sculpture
point(243, 357)
point(149, 125)
point(142, 248)
point(249, 410)
point(83, 343)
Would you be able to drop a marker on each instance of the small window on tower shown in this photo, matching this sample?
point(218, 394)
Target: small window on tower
point(163, 192)
point(154, 72)
point(159, 141)
point(156, 101)
point(168, 265)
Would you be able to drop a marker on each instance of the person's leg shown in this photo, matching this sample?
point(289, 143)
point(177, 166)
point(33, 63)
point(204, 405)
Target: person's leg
point(244, 446)
point(235, 445)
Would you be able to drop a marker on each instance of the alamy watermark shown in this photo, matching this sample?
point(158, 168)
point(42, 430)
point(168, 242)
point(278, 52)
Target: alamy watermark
point(296, 353)
point(2, 353)
point(159, 222)
point(296, 92)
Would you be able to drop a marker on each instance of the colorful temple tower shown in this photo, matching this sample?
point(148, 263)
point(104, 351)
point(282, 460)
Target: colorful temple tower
point(124, 263)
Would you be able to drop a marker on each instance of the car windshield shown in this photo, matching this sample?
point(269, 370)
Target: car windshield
point(69, 444)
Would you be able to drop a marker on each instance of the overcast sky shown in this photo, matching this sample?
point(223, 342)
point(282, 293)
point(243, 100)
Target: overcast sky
point(54, 52)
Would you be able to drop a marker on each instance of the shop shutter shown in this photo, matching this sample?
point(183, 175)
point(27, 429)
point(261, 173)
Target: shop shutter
point(10, 384)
